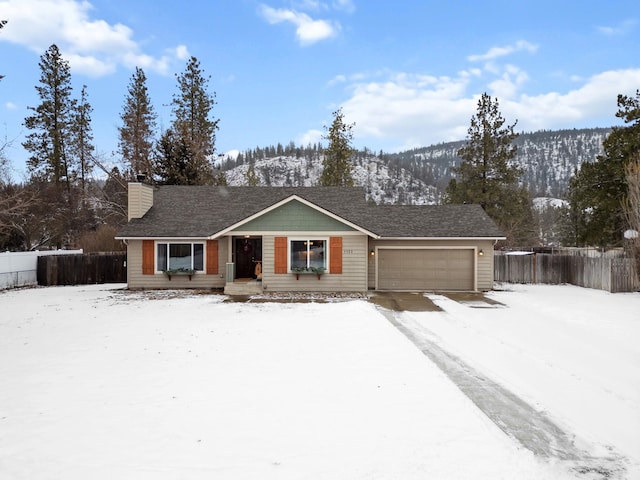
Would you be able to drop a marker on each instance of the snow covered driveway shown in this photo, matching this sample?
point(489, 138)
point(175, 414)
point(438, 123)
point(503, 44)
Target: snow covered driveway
point(100, 384)
point(572, 354)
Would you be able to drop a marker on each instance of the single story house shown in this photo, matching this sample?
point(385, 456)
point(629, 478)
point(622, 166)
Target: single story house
point(311, 239)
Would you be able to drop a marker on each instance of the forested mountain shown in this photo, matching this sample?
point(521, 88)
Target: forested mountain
point(420, 176)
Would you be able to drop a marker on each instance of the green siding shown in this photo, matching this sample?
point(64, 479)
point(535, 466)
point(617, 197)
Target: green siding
point(292, 217)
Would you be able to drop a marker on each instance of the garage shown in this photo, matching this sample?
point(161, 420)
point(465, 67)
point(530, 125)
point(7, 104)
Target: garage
point(426, 269)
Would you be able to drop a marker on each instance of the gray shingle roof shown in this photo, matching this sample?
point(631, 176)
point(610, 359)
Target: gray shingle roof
point(432, 221)
point(202, 211)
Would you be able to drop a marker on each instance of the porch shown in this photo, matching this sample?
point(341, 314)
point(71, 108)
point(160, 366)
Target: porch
point(244, 272)
point(243, 286)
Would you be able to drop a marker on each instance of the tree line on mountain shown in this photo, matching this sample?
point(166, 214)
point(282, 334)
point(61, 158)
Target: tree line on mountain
point(62, 204)
point(548, 158)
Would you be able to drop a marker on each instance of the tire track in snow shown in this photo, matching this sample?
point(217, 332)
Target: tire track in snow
point(515, 417)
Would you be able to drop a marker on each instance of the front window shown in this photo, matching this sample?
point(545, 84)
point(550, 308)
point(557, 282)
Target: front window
point(180, 256)
point(308, 254)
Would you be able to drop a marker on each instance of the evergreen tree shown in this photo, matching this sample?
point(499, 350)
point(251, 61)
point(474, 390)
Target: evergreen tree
point(137, 132)
point(173, 161)
point(252, 178)
point(82, 139)
point(598, 190)
point(336, 166)
point(486, 175)
point(192, 122)
point(52, 120)
point(220, 178)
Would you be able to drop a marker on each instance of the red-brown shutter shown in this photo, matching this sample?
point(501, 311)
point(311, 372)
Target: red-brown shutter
point(335, 255)
point(148, 263)
point(280, 255)
point(212, 257)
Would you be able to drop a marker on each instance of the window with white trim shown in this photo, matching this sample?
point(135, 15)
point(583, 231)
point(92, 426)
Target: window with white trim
point(180, 256)
point(308, 253)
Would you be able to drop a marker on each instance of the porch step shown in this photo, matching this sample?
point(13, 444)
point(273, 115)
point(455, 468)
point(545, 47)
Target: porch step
point(252, 287)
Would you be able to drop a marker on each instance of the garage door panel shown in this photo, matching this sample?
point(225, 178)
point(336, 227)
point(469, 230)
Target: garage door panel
point(426, 269)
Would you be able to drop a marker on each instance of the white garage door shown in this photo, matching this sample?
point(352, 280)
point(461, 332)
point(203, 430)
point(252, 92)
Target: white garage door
point(425, 269)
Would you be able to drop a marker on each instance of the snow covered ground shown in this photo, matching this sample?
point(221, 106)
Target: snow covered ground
point(98, 382)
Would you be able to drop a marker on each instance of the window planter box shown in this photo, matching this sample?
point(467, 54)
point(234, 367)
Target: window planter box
point(179, 271)
point(307, 271)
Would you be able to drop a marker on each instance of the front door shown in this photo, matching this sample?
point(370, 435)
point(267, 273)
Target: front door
point(247, 252)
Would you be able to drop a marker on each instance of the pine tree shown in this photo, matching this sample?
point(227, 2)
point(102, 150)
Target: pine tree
point(136, 135)
point(192, 122)
point(486, 175)
point(219, 178)
point(336, 166)
point(252, 178)
point(51, 122)
point(173, 161)
point(598, 190)
point(81, 145)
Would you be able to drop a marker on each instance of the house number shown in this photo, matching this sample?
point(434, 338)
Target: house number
point(347, 252)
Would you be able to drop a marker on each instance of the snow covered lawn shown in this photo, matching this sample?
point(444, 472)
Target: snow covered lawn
point(102, 383)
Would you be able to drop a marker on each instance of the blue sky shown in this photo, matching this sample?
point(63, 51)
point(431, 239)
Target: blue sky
point(407, 72)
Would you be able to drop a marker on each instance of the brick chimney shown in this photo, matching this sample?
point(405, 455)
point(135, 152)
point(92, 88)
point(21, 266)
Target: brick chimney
point(140, 198)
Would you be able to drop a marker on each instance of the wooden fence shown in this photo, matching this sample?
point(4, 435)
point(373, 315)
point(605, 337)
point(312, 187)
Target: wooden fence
point(611, 274)
point(20, 269)
point(83, 269)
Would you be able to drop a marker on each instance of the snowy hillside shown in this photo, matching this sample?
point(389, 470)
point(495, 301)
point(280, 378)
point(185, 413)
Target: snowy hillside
point(420, 176)
point(382, 184)
point(542, 203)
point(548, 158)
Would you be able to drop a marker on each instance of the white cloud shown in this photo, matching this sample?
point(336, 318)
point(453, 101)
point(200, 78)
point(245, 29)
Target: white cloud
point(497, 52)
point(317, 6)
point(10, 106)
point(91, 46)
point(89, 65)
point(594, 100)
point(622, 29)
point(310, 137)
point(344, 5)
point(180, 52)
point(509, 82)
point(415, 109)
point(337, 80)
point(407, 110)
point(309, 5)
point(308, 30)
